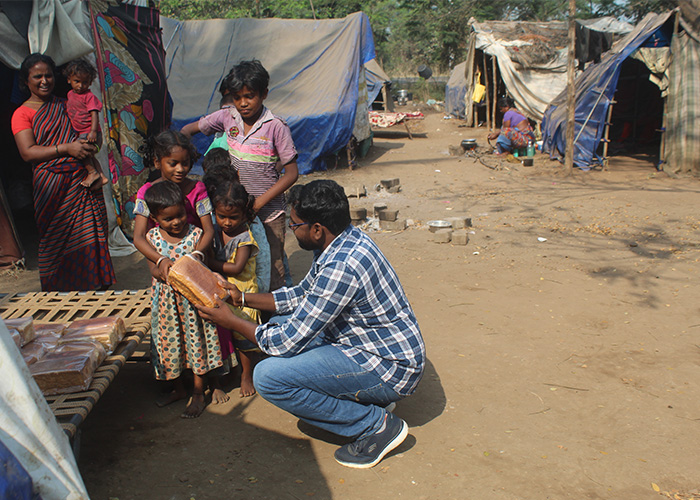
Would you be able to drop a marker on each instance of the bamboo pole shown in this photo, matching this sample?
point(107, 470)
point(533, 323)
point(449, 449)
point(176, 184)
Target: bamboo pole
point(606, 135)
point(570, 91)
point(489, 123)
point(495, 90)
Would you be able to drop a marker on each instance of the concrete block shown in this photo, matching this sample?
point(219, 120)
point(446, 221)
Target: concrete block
point(378, 207)
point(355, 191)
point(393, 189)
point(442, 236)
point(457, 222)
point(395, 225)
point(387, 183)
point(460, 237)
point(359, 213)
point(388, 215)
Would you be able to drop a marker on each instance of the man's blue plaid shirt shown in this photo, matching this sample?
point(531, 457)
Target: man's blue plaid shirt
point(351, 298)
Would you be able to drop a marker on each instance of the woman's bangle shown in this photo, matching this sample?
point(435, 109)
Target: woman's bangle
point(201, 255)
point(57, 153)
point(242, 299)
point(159, 261)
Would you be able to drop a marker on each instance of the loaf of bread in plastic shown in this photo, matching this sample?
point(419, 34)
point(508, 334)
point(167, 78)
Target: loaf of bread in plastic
point(25, 327)
point(68, 368)
point(33, 352)
point(109, 331)
point(195, 281)
point(53, 329)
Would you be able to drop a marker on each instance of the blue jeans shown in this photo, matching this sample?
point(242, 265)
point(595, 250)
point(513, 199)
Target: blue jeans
point(325, 388)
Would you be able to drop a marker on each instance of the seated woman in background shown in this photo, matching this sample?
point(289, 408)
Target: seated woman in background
point(515, 132)
point(71, 218)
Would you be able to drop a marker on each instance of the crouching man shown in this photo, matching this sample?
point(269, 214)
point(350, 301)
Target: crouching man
point(350, 345)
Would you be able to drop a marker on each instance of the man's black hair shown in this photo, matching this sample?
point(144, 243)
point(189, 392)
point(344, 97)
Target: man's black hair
point(162, 195)
point(321, 201)
point(250, 74)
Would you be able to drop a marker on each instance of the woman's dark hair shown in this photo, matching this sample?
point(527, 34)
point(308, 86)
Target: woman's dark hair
point(80, 67)
point(162, 195)
point(29, 62)
point(162, 144)
point(233, 194)
point(505, 102)
point(250, 74)
point(321, 201)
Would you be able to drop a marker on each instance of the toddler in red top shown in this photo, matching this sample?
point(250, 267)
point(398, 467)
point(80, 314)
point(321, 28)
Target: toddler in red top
point(83, 110)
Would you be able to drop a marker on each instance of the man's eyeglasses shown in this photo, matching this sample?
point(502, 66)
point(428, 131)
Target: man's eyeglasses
point(294, 226)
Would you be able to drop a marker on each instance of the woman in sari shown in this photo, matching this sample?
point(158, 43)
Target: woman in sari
point(515, 132)
point(71, 219)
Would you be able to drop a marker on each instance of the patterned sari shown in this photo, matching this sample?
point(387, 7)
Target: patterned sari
point(71, 219)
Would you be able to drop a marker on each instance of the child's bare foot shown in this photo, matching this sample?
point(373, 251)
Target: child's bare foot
point(90, 179)
point(171, 397)
point(218, 396)
point(247, 387)
point(105, 180)
point(195, 407)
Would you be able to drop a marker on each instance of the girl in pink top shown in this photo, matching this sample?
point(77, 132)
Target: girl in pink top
point(173, 154)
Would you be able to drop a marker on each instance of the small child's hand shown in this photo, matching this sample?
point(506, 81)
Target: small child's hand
point(257, 205)
point(164, 269)
point(92, 137)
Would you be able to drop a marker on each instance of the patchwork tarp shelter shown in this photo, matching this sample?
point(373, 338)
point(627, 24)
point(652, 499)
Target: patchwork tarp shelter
point(125, 38)
point(377, 82)
point(455, 90)
point(317, 76)
point(532, 57)
point(678, 73)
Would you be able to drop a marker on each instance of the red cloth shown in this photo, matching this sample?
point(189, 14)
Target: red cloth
point(79, 107)
point(22, 119)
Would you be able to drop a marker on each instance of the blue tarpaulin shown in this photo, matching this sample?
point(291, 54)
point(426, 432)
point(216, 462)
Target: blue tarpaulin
point(595, 89)
point(315, 69)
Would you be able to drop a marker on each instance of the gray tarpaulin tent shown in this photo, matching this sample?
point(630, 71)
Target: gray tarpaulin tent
point(531, 58)
point(455, 91)
point(317, 75)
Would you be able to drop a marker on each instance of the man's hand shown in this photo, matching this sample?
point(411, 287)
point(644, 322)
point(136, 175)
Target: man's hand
point(232, 290)
point(219, 314)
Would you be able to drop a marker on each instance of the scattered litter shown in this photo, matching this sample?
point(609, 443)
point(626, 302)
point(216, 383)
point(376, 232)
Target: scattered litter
point(472, 232)
point(475, 253)
point(436, 170)
point(541, 239)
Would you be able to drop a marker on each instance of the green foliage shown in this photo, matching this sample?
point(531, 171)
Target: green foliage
point(408, 33)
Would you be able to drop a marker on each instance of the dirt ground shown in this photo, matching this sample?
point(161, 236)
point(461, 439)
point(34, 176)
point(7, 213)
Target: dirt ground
point(563, 347)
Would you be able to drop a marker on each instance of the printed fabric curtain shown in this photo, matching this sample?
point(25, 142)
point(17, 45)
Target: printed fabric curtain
point(131, 62)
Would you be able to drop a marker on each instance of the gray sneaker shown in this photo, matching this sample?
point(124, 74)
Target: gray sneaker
point(368, 452)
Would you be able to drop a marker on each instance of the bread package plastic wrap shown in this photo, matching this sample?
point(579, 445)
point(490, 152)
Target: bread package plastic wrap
point(25, 327)
point(109, 331)
point(195, 281)
point(16, 337)
point(33, 352)
point(53, 329)
point(69, 368)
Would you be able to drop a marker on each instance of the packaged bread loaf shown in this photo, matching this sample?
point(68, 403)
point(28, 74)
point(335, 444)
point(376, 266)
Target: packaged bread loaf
point(53, 329)
point(33, 352)
point(69, 368)
point(195, 281)
point(25, 327)
point(109, 331)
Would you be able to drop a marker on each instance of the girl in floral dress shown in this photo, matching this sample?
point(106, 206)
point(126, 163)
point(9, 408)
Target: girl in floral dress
point(180, 338)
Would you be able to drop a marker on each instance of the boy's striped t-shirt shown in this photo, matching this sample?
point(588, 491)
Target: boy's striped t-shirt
point(257, 155)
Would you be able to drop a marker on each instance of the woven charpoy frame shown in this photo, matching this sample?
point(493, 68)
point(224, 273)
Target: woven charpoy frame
point(134, 306)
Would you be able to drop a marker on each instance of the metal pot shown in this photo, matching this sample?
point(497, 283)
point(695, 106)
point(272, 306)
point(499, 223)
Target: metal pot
point(424, 71)
point(468, 143)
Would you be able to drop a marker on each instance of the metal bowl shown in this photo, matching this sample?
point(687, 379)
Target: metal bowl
point(434, 225)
